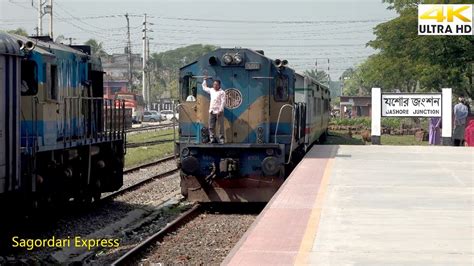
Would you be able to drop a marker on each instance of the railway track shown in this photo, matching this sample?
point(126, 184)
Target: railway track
point(136, 168)
point(150, 128)
point(145, 181)
point(200, 219)
point(148, 143)
point(131, 255)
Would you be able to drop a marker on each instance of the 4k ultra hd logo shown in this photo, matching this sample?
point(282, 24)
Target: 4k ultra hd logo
point(444, 19)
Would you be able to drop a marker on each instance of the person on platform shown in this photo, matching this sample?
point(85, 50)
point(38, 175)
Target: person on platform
point(460, 115)
point(216, 109)
point(469, 134)
point(435, 131)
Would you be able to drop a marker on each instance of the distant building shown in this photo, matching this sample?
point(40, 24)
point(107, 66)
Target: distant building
point(116, 66)
point(116, 73)
point(111, 87)
point(163, 102)
point(357, 105)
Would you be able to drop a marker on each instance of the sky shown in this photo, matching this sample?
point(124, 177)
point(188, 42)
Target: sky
point(303, 32)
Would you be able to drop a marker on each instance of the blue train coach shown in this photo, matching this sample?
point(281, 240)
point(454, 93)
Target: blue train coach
point(60, 140)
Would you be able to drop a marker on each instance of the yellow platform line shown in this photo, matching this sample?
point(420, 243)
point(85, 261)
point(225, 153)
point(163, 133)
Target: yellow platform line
point(314, 218)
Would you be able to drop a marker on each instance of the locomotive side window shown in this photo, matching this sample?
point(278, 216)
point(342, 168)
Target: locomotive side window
point(188, 88)
point(52, 78)
point(29, 78)
point(281, 89)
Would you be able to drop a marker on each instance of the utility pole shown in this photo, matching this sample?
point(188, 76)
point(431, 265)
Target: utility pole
point(40, 17)
point(129, 53)
point(316, 65)
point(144, 88)
point(44, 9)
point(148, 70)
point(50, 8)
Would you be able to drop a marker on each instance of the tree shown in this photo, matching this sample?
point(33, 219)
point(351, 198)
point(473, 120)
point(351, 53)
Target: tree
point(19, 31)
point(96, 48)
point(409, 62)
point(319, 75)
point(164, 68)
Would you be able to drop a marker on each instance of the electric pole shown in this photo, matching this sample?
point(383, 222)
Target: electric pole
point(50, 8)
point(129, 53)
point(144, 87)
point(40, 17)
point(44, 9)
point(328, 76)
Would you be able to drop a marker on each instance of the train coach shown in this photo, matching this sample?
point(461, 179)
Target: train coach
point(60, 140)
point(272, 116)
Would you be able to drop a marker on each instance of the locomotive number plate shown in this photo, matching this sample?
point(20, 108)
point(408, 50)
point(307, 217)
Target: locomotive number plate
point(252, 66)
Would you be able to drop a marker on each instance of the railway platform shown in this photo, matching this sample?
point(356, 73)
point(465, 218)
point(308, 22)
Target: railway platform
point(368, 205)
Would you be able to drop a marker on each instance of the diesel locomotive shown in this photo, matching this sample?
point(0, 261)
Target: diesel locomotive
point(60, 140)
point(272, 116)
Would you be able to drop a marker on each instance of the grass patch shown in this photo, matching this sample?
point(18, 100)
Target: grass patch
point(151, 136)
point(341, 138)
point(142, 155)
point(404, 140)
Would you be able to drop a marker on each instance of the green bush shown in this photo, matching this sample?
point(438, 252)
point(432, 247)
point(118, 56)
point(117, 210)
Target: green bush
point(357, 121)
point(390, 122)
point(387, 122)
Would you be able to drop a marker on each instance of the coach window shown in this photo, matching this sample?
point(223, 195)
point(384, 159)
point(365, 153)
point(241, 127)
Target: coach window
point(188, 88)
point(29, 78)
point(281, 89)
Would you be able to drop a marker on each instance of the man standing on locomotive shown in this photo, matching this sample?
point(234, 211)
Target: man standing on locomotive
point(216, 109)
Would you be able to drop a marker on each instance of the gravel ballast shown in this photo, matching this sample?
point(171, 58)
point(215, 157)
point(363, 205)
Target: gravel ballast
point(205, 240)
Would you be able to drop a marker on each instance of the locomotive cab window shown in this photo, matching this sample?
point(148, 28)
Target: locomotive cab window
point(188, 89)
point(281, 93)
point(29, 78)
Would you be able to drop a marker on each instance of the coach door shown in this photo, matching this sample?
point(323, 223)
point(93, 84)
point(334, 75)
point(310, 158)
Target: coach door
point(3, 143)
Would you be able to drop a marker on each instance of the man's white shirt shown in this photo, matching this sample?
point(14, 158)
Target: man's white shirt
point(217, 98)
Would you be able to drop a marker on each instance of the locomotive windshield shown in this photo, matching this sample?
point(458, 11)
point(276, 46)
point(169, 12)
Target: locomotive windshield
point(281, 89)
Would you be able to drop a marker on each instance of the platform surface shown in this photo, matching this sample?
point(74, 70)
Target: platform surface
point(368, 205)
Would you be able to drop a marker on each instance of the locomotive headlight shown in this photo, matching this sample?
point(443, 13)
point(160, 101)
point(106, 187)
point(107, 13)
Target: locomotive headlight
point(228, 59)
point(269, 152)
point(238, 59)
point(270, 166)
point(185, 152)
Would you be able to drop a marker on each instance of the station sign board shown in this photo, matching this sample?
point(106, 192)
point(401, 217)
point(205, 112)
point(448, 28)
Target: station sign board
point(411, 105)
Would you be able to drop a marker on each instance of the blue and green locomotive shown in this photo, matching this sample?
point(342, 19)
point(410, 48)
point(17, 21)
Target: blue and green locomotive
point(59, 139)
point(272, 115)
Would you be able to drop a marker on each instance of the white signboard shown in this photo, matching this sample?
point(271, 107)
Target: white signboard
point(411, 105)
